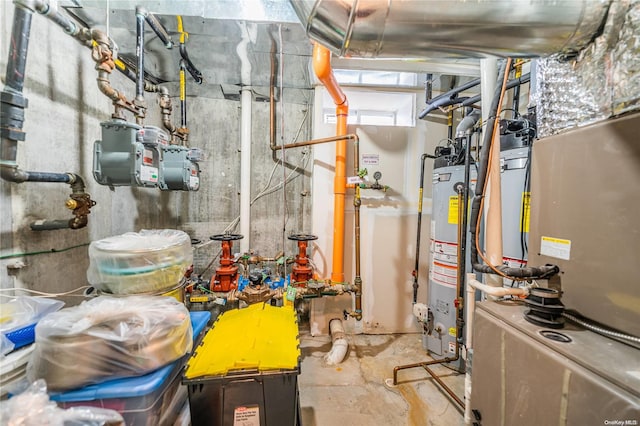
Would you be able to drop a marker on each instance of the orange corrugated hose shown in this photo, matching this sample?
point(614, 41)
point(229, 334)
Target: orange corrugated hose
point(322, 69)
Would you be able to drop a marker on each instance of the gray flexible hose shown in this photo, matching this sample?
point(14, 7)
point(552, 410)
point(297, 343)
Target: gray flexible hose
point(600, 330)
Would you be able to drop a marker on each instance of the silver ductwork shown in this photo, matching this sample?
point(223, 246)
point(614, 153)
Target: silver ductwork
point(451, 28)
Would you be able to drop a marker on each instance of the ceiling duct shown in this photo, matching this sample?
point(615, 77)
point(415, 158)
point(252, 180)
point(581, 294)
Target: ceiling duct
point(451, 28)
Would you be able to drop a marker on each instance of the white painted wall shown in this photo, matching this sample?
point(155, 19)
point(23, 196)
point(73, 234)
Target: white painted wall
point(388, 223)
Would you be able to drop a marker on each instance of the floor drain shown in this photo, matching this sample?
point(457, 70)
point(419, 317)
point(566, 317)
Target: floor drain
point(555, 336)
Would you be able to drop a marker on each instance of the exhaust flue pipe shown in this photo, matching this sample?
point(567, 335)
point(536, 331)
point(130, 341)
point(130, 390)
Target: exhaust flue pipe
point(451, 28)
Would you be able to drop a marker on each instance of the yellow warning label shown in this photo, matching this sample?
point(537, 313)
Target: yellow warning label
point(452, 331)
point(525, 213)
point(556, 240)
point(453, 210)
point(198, 299)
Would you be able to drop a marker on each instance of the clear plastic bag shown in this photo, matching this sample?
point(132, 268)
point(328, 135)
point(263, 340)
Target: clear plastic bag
point(148, 261)
point(25, 310)
point(108, 337)
point(33, 408)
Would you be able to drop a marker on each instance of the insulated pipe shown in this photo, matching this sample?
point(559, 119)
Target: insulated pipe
point(451, 95)
point(245, 168)
point(519, 274)
point(339, 343)
point(451, 28)
point(440, 103)
point(497, 291)
point(322, 69)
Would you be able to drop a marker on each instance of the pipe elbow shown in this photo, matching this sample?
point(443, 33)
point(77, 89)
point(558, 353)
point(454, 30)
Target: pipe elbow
point(13, 174)
point(322, 69)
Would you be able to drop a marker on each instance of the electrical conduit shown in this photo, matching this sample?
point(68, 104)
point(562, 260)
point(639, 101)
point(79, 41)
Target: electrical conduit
point(322, 69)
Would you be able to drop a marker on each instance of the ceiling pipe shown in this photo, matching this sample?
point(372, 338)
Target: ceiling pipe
point(322, 68)
point(451, 28)
point(525, 78)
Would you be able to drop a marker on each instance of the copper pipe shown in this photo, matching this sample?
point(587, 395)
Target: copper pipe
point(357, 314)
point(459, 317)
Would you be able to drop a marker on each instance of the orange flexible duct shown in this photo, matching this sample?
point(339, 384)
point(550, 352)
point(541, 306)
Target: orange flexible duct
point(322, 68)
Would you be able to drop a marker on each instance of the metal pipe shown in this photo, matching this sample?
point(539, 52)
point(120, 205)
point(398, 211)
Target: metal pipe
point(455, 91)
point(322, 69)
point(510, 85)
point(440, 103)
point(12, 106)
point(157, 27)
point(458, 303)
point(139, 99)
point(451, 28)
point(415, 272)
point(526, 273)
point(357, 281)
point(188, 65)
point(183, 95)
point(245, 168)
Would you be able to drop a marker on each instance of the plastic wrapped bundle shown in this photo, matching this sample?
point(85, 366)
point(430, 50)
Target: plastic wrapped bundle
point(149, 261)
point(107, 338)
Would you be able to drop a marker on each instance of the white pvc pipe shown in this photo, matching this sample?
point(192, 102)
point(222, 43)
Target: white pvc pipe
point(245, 169)
point(498, 291)
point(470, 303)
point(339, 346)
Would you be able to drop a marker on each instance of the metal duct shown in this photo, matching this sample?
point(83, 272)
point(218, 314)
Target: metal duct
point(451, 28)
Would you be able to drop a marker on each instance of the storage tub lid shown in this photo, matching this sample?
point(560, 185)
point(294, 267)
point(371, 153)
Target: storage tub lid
point(132, 387)
point(261, 337)
point(147, 240)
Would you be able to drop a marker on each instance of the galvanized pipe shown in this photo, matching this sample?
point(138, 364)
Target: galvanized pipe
point(451, 28)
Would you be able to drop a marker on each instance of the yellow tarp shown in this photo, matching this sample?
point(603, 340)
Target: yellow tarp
point(261, 337)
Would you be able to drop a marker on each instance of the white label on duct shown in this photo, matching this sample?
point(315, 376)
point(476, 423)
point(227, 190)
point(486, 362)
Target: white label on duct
point(194, 183)
point(246, 416)
point(148, 174)
point(370, 159)
point(555, 247)
point(354, 180)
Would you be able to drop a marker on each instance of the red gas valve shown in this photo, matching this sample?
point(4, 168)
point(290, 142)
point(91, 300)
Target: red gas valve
point(302, 270)
point(226, 277)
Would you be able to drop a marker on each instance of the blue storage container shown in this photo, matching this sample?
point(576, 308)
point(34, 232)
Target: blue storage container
point(153, 399)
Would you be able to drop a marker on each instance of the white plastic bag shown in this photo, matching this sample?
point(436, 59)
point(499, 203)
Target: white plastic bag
point(108, 337)
point(25, 310)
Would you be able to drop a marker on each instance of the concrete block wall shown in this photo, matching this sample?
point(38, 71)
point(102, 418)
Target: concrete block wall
point(63, 121)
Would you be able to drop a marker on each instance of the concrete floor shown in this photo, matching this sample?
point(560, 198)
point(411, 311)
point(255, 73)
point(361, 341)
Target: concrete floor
point(354, 392)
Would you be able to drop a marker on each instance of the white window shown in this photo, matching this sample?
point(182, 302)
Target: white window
point(374, 108)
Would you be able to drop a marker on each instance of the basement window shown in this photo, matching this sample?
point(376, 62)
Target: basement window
point(374, 108)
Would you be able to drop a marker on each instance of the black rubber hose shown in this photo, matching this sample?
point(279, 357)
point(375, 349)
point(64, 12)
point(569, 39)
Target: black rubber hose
point(455, 90)
point(195, 73)
point(542, 272)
